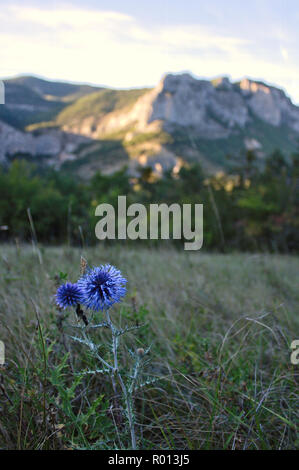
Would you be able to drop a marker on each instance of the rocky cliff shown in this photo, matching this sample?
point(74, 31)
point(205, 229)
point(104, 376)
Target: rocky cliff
point(54, 145)
point(211, 109)
point(182, 118)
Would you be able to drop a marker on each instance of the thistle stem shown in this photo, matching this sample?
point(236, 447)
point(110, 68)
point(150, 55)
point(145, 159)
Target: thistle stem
point(129, 411)
point(96, 353)
point(125, 392)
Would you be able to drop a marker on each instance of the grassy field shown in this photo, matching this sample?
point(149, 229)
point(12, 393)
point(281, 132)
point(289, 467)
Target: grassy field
point(219, 326)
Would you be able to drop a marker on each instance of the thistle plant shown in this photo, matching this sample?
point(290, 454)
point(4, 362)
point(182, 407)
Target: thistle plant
point(96, 291)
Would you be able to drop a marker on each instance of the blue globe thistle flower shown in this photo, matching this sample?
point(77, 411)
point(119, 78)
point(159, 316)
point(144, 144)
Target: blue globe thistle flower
point(68, 295)
point(102, 287)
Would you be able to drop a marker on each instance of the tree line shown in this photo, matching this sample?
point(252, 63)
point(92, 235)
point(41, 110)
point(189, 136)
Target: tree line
point(254, 207)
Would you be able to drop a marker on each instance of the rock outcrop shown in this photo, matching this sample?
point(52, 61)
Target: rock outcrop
point(58, 146)
point(269, 104)
point(13, 141)
point(212, 109)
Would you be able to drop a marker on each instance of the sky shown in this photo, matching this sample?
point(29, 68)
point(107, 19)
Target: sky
point(133, 43)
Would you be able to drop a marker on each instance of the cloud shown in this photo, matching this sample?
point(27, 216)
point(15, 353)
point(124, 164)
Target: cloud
point(115, 49)
point(284, 53)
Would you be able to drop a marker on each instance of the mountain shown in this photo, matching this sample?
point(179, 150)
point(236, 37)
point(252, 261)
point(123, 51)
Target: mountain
point(57, 90)
point(183, 119)
point(29, 100)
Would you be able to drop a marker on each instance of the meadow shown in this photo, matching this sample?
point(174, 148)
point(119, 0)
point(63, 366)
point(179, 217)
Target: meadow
point(219, 326)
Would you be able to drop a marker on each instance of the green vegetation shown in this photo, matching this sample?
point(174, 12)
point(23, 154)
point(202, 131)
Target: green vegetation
point(47, 104)
point(86, 103)
point(106, 154)
point(220, 328)
point(220, 325)
point(23, 118)
point(252, 208)
point(50, 89)
point(38, 101)
point(214, 151)
point(162, 137)
point(98, 104)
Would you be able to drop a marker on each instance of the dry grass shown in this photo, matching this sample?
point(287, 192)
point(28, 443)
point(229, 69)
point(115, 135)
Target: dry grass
point(220, 328)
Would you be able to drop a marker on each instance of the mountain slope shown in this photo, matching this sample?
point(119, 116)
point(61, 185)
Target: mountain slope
point(185, 119)
point(181, 119)
point(30, 100)
point(95, 106)
point(58, 90)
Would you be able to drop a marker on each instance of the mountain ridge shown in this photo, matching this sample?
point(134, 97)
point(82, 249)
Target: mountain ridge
point(181, 119)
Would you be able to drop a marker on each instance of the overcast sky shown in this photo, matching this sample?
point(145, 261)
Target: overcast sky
point(132, 43)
